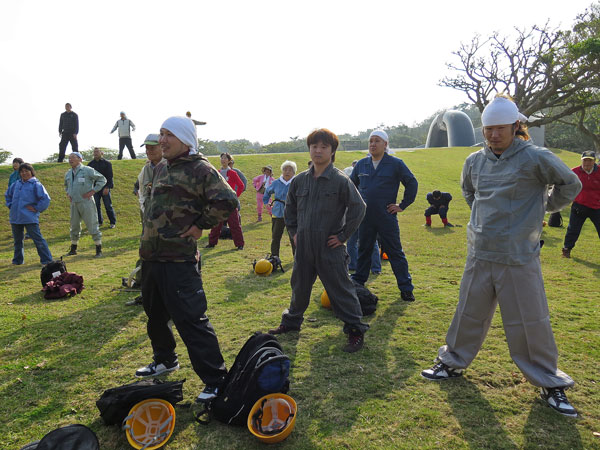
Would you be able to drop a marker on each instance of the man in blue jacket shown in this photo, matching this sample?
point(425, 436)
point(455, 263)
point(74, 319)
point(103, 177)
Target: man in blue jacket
point(378, 179)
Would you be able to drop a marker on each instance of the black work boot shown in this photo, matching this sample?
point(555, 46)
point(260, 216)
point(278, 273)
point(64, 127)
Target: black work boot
point(73, 250)
point(98, 251)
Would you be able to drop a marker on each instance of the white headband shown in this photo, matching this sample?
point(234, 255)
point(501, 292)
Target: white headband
point(501, 111)
point(184, 130)
point(383, 135)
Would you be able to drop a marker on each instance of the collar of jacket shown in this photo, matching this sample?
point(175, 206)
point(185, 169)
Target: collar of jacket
point(514, 148)
point(326, 173)
point(181, 158)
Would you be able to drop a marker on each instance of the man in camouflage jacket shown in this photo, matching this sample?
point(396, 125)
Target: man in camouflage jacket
point(187, 196)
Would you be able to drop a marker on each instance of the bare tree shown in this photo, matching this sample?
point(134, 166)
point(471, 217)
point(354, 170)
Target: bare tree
point(536, 66)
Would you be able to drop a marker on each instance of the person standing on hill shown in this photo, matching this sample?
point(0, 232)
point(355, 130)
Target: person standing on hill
point(261, 183)
point(506, 185)
point(440, 202)
point(279, 189)
point(26, 199)
point(586, 204)
point(233, 221)
point(322, 210)
point(14, 176)
point(378, 179)
point(68, 129)
point(125, 127)
point(187, 196)
point(81, 183)
point(105, 168)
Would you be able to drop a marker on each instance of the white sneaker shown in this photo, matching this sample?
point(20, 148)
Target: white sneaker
point(557, 400)
point(153, 369)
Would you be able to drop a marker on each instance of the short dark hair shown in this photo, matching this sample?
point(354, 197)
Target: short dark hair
point(19, 160)
point(436, 194)
point(68, 104)
point(27, 166)
point(227, 155)
point(326, 137)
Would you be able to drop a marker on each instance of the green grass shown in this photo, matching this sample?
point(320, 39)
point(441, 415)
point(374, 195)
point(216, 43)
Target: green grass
point(57, 357)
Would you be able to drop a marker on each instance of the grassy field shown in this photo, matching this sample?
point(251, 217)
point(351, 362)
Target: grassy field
point(57, 357)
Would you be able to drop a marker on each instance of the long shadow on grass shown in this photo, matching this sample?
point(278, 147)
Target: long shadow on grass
point(339, 383)
point(475, 415)
point(548, 429)
point(589, 264)
point(60, 352)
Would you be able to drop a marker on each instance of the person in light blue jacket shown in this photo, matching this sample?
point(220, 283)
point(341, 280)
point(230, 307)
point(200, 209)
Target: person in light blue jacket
point(279, 188)
point(27, 198)
point(81, 183)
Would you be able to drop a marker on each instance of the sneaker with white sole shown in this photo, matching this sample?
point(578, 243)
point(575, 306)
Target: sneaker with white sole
point(441, 371)
point(209, 393)
point(155, 369)
point(557, 400)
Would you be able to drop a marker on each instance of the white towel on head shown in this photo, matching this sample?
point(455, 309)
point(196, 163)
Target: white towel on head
point(383, 135)
point(501, 111)
point(184, 129)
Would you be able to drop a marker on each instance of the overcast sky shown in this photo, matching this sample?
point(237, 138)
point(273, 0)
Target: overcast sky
point(260, 70)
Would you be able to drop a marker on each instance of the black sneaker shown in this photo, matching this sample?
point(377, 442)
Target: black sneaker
point(209, 246)
point(448, 225)
point(441, 371)
point(136, 301)
point(355, 342)
point(241, 247)
point(557, 400)
point(155, 369)
point(407, 296)
point(209, 393)
point(282, 329)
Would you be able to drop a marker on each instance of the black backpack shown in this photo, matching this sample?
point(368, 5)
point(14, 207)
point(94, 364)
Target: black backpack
point(260, 368)
point(115, 403)
point(555, 220)
point(71, 437)
point(52, 270)
point(368, 300)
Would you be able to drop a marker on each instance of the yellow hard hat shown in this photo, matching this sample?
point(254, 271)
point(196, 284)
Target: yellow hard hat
point(272, 418)
point(263, 267)
point(149, 424)
point(325, 302)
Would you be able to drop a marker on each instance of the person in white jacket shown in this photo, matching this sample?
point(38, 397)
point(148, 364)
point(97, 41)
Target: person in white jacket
point(125, 127)
point(506, 185)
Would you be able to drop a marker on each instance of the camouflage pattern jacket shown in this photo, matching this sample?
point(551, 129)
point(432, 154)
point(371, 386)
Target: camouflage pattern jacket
point(188, 191)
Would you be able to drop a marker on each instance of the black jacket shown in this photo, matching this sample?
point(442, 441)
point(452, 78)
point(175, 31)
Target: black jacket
point(444, 200)
point(69, 123)
point(105, 168)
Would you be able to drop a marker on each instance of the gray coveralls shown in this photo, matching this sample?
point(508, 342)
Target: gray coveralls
point(78, 181)
point(508, 196)
point(315, 209)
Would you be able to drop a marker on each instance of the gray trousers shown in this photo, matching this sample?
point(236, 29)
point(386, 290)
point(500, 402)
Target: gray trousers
point(86, 211)
point(313, 258)
point(520, 292)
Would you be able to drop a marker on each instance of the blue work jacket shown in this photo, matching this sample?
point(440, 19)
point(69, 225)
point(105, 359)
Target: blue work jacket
point(23, 193)
point(379, 187)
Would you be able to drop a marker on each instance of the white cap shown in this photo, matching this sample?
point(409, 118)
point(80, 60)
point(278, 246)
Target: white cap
point(501, 111)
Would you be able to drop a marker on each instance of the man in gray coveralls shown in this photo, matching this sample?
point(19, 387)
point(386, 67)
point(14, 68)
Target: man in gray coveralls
point(323, 209)
point(506, 185)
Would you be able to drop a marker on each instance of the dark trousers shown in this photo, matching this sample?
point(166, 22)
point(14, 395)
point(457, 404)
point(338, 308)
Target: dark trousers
point(277, 227)
point(173, 291)
point(579, 214)
point(62, 146)
point(33, 229)
point(442, 211)
point(126, 142)
point(313, 258)
point(389, 235)
point(110, 212)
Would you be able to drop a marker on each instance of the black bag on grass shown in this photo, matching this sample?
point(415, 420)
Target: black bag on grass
point(260, 368)
point(52, 270)
point(368, 300)
point(71, 437)
point(555, 220)
point(115, 403)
